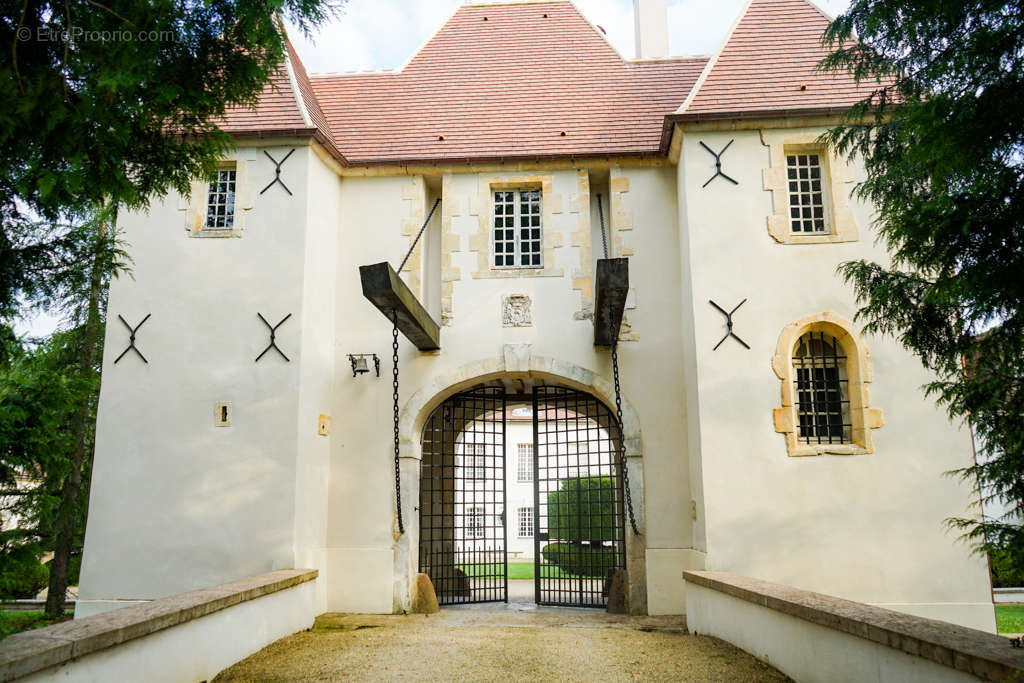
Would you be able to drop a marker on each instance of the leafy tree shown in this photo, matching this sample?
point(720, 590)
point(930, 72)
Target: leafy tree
point(112, 103)
point(943, 146)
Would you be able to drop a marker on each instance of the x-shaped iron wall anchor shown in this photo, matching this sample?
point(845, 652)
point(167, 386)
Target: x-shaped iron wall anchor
point(277, 171)
point(131, 338)
point(718, 163)
point(273, 336)
point(728, 324)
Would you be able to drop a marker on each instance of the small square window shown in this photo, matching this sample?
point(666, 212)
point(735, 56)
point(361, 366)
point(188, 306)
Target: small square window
point(517, 229)
point(806, 200)
point(220, 200)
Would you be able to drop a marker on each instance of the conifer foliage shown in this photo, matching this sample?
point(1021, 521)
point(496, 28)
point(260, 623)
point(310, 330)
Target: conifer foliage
point(942, 140)
point(115, 102)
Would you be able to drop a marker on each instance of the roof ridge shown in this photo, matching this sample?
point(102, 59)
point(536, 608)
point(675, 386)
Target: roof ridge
point(293, 81)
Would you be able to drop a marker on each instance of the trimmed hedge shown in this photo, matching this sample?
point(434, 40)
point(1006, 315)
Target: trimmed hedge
point(583, 509)
point(581, 560)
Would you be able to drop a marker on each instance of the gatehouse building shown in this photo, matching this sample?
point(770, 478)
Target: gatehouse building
point(642, 251)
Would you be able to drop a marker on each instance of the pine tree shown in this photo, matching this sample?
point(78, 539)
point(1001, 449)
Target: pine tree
point(48, 397)
point(942, 143)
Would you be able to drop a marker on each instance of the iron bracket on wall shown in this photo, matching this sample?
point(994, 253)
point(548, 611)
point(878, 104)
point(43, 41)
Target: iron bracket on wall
point(273, 337)
point(718, 163)
point(277, 171)
point(728, 324)
point(131, 338)
point(353, 358)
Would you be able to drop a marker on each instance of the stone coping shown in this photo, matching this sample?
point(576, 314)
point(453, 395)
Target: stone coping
point(32, 651)
point(988, 656)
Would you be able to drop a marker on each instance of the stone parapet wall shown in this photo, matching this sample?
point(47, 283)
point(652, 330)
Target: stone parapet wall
point(815, 637)
point(183, 637)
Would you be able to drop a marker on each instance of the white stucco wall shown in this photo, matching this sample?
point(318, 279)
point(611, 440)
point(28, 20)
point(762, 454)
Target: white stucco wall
point(176, 502)
point(863, 527)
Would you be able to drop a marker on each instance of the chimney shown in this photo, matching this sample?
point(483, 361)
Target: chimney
point(651, 18)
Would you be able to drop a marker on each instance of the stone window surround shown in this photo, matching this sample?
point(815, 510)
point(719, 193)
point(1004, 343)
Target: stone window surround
point(194, 206)
point(483, 244)
point(863, 417)
point(836, 176)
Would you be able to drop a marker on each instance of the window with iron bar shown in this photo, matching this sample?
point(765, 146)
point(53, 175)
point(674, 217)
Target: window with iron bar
point(822, 392)
point(517, 229)
point(806, 198)
point(524, 464)
point(220, 204)
point(525, 517)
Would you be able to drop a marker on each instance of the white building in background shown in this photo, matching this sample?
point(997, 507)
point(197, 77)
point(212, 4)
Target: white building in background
point(518, 515)
point(797, 449)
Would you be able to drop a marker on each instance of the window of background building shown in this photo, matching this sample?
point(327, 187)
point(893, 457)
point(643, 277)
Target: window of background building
point(525, 518)
point(475, 526)
point(524, 464)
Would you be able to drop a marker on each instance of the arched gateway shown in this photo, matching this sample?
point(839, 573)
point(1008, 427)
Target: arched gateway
point(576, 515)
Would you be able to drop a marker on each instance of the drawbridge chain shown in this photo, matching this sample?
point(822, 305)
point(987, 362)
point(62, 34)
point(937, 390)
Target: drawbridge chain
point(618, 396)
point(394, 373)
point(394, 385)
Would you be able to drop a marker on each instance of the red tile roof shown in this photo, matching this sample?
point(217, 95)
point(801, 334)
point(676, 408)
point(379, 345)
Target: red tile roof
point(278, 109)
point(767, 66)
point(506, 81)
point(537, 81)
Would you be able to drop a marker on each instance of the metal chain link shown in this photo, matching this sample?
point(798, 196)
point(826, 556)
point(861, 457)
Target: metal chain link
point(618, 395)
point(394, 386)
point(622, 439)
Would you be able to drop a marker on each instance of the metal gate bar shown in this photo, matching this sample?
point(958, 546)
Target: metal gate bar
point(580, 535)
point(462, 499)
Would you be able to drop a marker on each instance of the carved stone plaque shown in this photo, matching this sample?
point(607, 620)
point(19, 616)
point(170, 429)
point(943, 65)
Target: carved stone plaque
point(515, 311)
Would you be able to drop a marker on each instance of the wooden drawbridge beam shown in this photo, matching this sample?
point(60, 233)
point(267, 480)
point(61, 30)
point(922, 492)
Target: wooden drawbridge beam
point(387, 291)
point(610, 299)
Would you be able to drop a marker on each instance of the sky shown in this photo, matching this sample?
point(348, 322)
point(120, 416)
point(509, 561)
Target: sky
point(384, 34)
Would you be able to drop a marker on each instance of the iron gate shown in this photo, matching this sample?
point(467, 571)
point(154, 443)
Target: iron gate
point(579, 538)
point(462, 498)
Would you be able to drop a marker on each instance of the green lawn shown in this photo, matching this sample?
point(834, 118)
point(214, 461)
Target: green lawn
point(1010, 618)
point(516, 570)
point(15, 622)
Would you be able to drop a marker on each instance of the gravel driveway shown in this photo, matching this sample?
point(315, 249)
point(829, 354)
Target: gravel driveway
point(514, 642)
